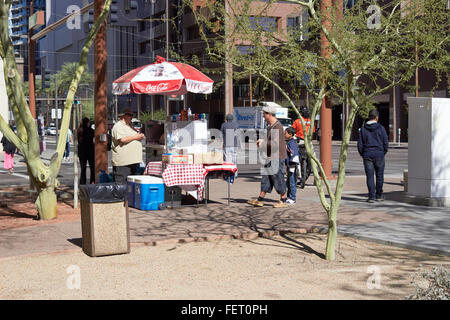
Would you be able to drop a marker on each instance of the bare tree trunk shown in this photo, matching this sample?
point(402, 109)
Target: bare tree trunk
point(332, 233)
point(46, 202)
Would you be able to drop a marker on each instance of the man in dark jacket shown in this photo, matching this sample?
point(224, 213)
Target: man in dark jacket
point(372, 146)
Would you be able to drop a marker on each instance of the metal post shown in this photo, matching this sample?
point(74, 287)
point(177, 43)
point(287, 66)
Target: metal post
point(152, 100)
point(417, 70)
point(75, 157)
point(48, 107)
point(56, 107)
point(394, 113)
point(166, 98)
point(206, 190)
point(31, 68)
point(116, 110)
point(250, 87)
point(229, 178)
point(228, 66)
point(138, 106)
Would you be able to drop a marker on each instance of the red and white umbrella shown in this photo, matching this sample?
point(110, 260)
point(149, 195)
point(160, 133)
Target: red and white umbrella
point(162, 77)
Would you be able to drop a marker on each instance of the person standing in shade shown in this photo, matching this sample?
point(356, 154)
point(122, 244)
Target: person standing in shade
point(86, 150)
point(126, 148)
point(9, 149)
point(230, 139)
point(275, 147)
point(372, 145)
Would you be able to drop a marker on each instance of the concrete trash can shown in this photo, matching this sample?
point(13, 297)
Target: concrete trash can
point(104, 219)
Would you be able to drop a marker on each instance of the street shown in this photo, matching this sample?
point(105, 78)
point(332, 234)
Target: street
point(396, 162)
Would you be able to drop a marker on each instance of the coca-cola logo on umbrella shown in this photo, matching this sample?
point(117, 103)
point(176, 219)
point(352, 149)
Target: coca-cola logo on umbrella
point(163, 86)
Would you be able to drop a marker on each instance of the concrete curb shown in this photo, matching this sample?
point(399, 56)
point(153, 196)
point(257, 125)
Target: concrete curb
point(324, 230)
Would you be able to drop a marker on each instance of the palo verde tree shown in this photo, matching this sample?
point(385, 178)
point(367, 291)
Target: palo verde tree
point(371, 48)
point(42, 176)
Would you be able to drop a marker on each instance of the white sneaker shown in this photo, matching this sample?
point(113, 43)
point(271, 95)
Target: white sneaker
point(290, 202)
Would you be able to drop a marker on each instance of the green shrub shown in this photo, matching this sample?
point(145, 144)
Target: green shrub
point(145, 116)
point(157, 115)
point(437, 284)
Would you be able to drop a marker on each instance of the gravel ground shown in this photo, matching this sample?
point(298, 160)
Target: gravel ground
point(283, 267)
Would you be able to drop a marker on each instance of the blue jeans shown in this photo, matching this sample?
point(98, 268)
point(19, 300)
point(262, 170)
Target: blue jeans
point(273, 177)
point(67, 150)
point(291, 184)
point(374, 167)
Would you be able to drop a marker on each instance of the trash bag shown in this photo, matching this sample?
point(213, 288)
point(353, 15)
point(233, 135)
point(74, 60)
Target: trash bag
point(103, 192)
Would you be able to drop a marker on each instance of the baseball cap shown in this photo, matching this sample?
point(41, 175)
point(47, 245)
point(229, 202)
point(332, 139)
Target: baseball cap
point(270, 109)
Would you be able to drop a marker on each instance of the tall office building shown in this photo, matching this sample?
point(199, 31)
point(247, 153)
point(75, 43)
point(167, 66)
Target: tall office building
point(64, 44)
point(18, 32)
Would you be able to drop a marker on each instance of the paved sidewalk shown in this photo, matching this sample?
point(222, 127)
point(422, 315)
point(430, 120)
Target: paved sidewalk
point(391, 222)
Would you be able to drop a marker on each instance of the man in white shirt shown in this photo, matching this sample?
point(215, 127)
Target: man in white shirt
point(126, 148)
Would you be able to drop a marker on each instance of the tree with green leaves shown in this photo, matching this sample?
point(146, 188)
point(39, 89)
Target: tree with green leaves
point(64, 78)
point(371, 48)
point(65, 75)
point(43, 176)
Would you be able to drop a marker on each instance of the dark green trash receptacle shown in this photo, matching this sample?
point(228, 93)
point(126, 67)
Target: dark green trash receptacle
point(104, 219)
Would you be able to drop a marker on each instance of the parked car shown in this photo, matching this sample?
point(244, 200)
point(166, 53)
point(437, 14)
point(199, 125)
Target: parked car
point(50, 131)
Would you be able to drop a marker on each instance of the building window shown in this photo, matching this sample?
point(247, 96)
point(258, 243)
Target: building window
point(293, 23)
point(159, 43)
point(267, 24)
point(144, 25)
point(143, 47)
point(192, 33)
point(158, 20)
point(245, 49)
point(297, 25)
point(242, 90)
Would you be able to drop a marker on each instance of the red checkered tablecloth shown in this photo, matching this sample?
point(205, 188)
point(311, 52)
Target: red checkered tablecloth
point(154, 168)
point(187, 174)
